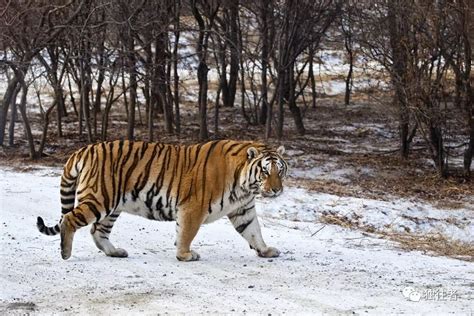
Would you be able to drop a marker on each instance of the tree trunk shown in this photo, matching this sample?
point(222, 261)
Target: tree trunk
point(177, 9)
point(468, 38)
point(350, 53)
point(158, 77)
point(13, 86)
point(216, 112)
point(44, 134)
point(403, 129)
point(59, 95)
point(469, 110)
point(281, 101)
point(202, 50)
point(98, 92)
point(71, 96)
point(85, 93)
point(264, 57)
point(202, 80)
point(469, 152)
point(13, 115)
point(160, 82)
point(234, 53)
point(436, 139)
point(132, 89)
point(311, 77)
point(223, 84)
point(108, 104)
point(81, 109)
point(397, 31)
point(294, 109)
point(26, 122)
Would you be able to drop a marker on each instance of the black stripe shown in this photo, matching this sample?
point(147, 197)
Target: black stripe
point(103, 186)
point(241, 212)
point(159, 204)
point(149, 198)
point(66, 193)
point(241, 228)
point(67, 201)
point(113, 169)
point(222, 198)
point(211, 149)
point(231, 147)
point(180, 178)
point(94, 210)
point(80, 218)
point(64, 183)
point(210, 207)
point(144, 148)
point(238, 150)
point(129, 172)
point(142, 181)
point(104, 230)
point(65, 210)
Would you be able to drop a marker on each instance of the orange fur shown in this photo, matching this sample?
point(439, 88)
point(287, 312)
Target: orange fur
point(190, 184)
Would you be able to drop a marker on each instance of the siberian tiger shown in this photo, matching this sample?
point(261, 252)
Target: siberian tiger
point(191, 185)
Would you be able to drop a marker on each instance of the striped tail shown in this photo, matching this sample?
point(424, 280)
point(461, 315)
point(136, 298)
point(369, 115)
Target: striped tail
point(68, 196)
point(50, 231)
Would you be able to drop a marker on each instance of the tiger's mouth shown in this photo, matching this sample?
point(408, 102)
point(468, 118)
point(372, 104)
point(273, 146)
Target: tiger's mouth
point(272, 193)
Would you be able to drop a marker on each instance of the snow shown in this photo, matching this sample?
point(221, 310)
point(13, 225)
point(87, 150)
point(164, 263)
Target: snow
point(396, 215)
point(335, 271)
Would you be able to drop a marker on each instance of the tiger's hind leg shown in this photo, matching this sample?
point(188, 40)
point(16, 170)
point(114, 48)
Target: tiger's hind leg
point(100, 234)
point(82, 215)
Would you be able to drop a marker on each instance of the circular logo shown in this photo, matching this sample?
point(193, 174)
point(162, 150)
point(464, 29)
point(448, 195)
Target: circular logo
point(412, 294)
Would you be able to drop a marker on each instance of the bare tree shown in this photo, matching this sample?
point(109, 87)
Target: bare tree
point(302, 25)
point(204, 12)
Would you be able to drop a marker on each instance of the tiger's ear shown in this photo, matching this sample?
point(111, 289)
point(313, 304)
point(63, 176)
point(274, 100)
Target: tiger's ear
point(281, 150)
point(252, 152)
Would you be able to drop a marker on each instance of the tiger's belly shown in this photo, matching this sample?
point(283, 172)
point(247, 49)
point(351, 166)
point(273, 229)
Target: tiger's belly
point(156, 207)
point(219, 210)
point(151, 207)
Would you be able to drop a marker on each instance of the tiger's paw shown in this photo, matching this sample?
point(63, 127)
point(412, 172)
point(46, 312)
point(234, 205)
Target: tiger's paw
point(270, 252)
point(65, 253)
point(118, 253)
point(188, 256)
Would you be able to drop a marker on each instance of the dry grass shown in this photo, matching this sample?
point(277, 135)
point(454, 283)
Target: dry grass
point(347, 222)
point(435, 244)
point(406, 179)
point(432, 244)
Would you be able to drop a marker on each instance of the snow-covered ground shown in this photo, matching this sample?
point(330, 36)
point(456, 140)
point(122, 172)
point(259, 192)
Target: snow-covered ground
point(336, 270)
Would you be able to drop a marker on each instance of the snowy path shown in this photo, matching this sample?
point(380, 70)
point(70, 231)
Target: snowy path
point(336, 271)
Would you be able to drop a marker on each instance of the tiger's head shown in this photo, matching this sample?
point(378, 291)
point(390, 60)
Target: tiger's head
point(265, 171)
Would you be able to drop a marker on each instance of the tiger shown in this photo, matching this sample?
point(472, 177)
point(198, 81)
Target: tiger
point(189, 184)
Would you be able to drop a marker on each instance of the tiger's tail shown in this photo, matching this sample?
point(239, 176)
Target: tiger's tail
point(68, 196)
point(50, 231)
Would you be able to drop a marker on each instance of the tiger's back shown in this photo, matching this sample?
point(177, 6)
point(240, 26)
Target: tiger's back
point(190, 184)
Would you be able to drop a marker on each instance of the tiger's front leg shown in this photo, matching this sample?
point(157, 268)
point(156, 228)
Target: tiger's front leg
point(187, 226)
point(246, 223)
